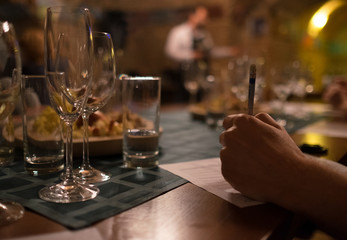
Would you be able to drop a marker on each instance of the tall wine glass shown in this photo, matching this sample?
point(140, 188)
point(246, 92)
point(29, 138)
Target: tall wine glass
point(68, 70)
point(283, 82)
point(191, 75)
point(103, 84)
point(239, 79)
point(10, 75)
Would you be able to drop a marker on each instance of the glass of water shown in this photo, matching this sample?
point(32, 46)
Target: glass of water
point(141, 104)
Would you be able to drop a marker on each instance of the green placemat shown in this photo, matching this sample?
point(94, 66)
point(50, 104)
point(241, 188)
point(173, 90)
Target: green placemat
point(126, 189)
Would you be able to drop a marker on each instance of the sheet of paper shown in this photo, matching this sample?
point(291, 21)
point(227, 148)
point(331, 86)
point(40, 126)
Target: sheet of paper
point(327, 128)
point(207, 175)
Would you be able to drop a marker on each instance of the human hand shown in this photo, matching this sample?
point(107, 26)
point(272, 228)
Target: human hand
point(258, 156)
point(336, 95)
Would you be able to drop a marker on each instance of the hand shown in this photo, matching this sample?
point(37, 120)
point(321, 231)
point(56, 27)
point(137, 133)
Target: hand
point(258, 157)
point(336, 95)
point(261, 161)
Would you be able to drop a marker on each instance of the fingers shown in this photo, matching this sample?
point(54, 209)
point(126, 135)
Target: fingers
point(225, 161)
point(223, 137)
point(229, 121)
point(236, 119)
point(266, 118)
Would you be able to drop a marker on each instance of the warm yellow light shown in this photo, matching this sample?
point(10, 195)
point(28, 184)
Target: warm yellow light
point(319, 20)
point(321, 17)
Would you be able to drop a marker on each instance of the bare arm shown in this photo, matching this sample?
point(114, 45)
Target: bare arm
point(261, 160)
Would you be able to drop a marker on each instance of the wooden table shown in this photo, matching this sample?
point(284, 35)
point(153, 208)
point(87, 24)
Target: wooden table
point(187, 212)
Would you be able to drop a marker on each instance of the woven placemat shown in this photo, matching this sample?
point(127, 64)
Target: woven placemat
point(126, 189)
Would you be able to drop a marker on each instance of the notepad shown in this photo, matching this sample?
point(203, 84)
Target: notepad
point(207, 174)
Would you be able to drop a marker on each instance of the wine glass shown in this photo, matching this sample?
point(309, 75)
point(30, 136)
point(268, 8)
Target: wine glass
point(239, 79)
point(10, 75)
point(103, 84)
point(192, 79)
point(68, 70)
point(283, 81)
point(303, 85)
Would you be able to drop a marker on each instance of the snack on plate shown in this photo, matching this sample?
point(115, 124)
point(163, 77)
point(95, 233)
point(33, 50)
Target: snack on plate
point(100, 124)
point(46, 123)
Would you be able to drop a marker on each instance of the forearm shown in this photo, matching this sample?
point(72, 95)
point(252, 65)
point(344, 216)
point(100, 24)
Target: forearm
point(320, 194)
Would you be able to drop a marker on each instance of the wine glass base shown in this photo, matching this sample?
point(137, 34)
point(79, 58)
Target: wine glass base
point(68, 193)
point(91, 175)
point(10, 212)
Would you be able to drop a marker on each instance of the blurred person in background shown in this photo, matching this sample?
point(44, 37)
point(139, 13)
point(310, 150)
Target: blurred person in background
point(336, 95)
point(189, 40)
point(191, 46)
point(188, 45)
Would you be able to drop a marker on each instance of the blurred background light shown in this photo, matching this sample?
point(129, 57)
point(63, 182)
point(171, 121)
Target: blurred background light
point(321, 17)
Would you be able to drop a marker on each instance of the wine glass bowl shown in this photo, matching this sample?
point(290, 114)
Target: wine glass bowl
point(283, 82)
point(192, 79)
point(10, 78)
point(102, 88)
point(68, 70)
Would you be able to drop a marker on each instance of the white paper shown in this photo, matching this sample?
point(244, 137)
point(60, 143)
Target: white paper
point(207, 175)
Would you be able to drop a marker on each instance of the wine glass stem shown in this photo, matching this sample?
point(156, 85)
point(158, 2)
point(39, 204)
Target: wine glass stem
point(69, 148)
point(85, 164)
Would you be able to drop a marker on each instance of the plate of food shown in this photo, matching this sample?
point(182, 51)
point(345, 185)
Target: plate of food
point(105, 132)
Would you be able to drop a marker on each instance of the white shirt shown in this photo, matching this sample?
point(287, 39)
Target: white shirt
point(179, 44)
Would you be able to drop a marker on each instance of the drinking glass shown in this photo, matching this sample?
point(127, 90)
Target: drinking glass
point(68, 70)
point(10, 75)
point(103, 84)
point(141, 116)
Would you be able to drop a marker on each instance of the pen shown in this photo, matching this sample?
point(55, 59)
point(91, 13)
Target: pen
point(252, 76)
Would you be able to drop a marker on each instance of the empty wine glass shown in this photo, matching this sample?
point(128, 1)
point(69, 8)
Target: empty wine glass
point(10, 75)
point(68, 70)
point(303, 85)
point(103, 84)
point(192, 78)
point(239, 79)
point(282, 81)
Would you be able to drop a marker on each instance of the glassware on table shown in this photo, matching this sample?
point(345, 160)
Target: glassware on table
point(303, 85)
point(141, 116)
point(192, 78)
point(214, 98)
point(282, 85)
point(102, 88)
point(239, 80)
point(68, 70)
point(43, 145)
point(10, 75)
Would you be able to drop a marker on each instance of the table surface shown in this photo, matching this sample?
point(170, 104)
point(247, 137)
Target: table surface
point(187, 212)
